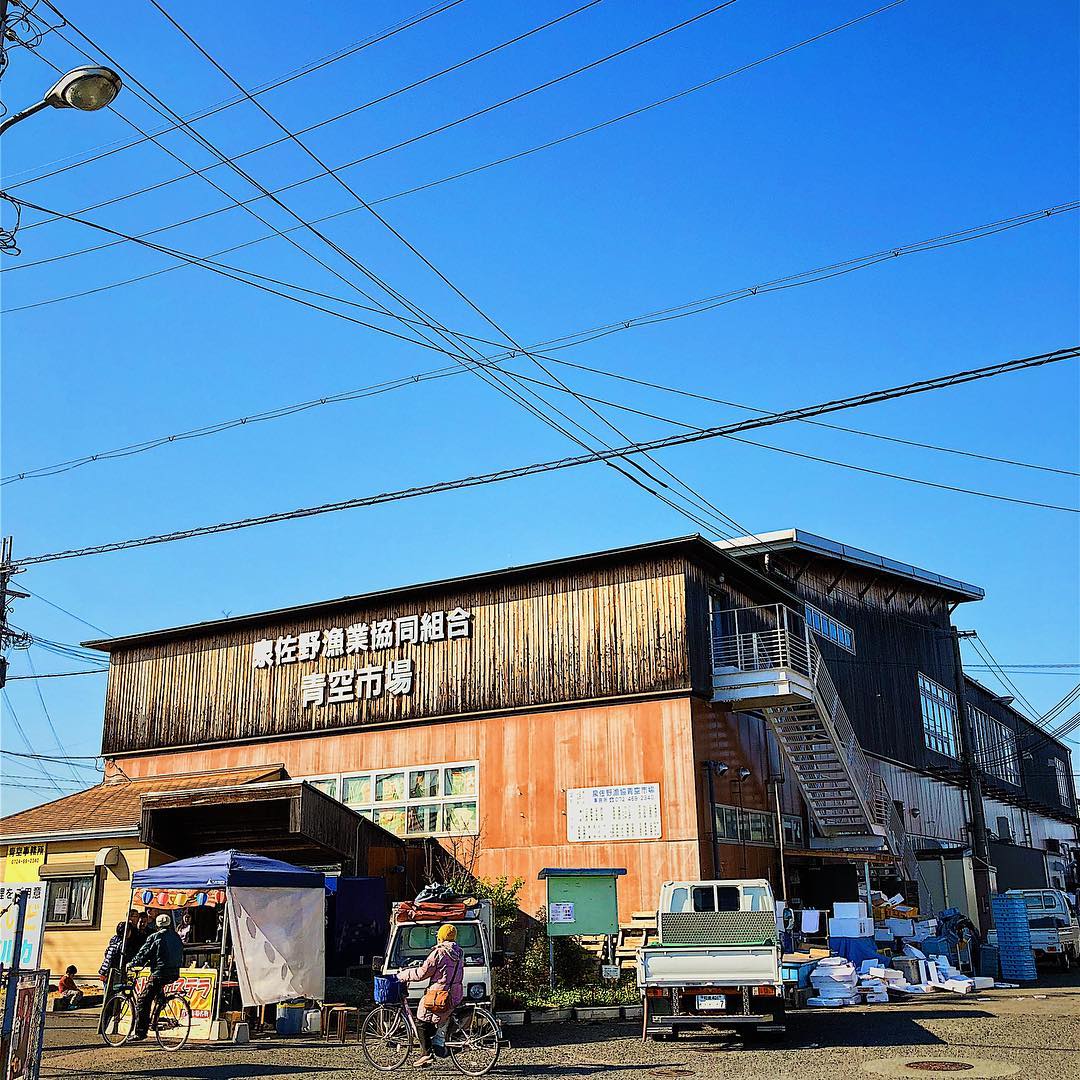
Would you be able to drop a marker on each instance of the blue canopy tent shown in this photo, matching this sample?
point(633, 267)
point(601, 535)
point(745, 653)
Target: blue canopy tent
point(221, 869)
point(270, 945)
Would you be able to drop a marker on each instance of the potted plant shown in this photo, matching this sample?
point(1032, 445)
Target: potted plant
point(552, 1006)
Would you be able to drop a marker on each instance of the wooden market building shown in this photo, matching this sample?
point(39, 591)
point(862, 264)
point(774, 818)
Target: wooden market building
point(682, 709)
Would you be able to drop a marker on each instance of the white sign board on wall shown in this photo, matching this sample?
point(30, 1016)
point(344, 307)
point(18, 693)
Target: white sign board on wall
point(33, 927)
point(623, 812)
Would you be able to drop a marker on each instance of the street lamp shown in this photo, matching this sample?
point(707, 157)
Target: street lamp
point(85, 88)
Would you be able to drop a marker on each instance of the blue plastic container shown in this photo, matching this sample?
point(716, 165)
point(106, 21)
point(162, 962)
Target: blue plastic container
point(387, 990)
point(290, 1018)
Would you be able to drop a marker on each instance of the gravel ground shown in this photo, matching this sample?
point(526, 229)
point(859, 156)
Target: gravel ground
point(1028, 1033)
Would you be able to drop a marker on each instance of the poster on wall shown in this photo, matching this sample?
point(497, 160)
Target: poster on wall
point(33, 926)
point(623, 812)
point(23, 1060)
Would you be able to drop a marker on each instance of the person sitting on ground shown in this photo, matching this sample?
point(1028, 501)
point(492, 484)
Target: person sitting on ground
point(445, 967)
point(162, 954)
point(112, 963)
point(69, 989)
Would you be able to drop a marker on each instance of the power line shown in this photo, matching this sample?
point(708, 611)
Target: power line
point(55, 757)
point(689, 308)
point(26, 742)
point(353, 111)
point(316, 65)
point(909, 479)
point(695, 497)
point(70, 614)
point(521, 95)
point(479, 168)
point(835, 405)
point(61, 674)
point(45, 708)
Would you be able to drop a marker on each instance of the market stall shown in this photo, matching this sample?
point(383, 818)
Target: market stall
point(253, 931)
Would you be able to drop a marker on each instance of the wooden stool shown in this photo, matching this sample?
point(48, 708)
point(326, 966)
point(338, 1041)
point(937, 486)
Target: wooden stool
point(342, 1013)
point(324, 1014)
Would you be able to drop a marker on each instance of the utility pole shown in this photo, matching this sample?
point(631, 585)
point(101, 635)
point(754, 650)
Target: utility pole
point(7, 595)
point(985, 877)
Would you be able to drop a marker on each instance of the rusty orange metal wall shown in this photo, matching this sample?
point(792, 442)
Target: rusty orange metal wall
point(527, 761)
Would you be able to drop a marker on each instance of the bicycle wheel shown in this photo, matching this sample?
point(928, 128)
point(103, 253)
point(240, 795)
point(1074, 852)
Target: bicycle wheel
point(172, 1022)
point(386, 1038)
point(473, 1041)
point(118, 1019)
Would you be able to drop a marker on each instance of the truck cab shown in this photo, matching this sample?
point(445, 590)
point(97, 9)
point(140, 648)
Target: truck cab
point(717, 963)
point(411, 941)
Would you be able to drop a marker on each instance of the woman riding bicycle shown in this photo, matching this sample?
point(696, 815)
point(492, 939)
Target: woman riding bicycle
point(445, 967)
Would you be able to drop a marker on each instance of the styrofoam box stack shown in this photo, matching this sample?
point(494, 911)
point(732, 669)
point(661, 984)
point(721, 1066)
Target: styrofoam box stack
point(846, 926)
point(836, 982)
point(844, 910)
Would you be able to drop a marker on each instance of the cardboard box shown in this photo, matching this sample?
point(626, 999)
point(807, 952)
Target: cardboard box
point(901, 927)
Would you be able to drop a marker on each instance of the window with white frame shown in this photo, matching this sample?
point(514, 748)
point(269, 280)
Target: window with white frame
point(941, 729)
point(412, 800)
point(1062, 775)
point(996, 749)
point(828, 627)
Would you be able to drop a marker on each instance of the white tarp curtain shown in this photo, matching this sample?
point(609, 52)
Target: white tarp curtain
point(279, 943)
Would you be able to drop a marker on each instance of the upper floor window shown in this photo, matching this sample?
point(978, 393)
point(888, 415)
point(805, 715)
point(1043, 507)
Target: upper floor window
point(828, 627)
point(995, 746)
point(941, 729)
point(1062, 774)
point(412, 800)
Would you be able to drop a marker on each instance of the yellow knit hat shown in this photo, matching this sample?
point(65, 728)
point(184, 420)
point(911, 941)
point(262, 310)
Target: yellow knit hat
point(447, 932)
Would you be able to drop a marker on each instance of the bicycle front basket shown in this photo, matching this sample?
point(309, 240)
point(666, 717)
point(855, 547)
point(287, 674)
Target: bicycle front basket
point(387, 990)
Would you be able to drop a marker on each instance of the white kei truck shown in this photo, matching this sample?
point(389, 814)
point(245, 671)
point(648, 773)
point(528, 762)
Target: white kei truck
point(1055, 932)
point(410, 943)
point(717, 962)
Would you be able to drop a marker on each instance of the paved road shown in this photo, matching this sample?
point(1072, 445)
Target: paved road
point(1026, 1033)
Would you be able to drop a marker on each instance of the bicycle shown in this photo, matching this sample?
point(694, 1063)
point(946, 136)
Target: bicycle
point(472, 1042)
point(170, 1017)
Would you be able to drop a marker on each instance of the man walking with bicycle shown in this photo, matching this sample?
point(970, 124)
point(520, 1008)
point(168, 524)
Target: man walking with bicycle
point(163, 953)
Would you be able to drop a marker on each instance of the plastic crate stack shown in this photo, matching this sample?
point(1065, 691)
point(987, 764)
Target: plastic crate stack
point(1014, 938)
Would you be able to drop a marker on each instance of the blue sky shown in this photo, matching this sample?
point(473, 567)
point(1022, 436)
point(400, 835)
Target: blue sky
point(925, 119)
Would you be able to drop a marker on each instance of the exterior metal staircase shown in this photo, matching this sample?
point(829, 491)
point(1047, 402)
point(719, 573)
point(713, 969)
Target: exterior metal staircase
point(765, 658)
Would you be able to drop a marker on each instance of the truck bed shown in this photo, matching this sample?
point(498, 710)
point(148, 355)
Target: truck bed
point(707, 965)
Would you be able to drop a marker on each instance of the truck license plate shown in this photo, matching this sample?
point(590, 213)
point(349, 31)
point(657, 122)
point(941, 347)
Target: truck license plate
point(711, 1001)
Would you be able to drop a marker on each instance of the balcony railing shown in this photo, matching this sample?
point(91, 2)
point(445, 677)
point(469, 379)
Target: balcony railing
point(775, 636)
point(761, 638)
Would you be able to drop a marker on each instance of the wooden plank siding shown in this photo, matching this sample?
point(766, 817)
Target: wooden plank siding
point(616, 631)
point(527, 761)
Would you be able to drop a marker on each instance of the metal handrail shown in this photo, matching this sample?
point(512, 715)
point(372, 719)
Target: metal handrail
point(775, 636)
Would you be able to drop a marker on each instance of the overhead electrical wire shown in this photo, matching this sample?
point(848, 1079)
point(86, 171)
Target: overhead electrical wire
point(61, 674)
point(26, 742)
point(695, 498)
point(291, 76)
point(835, 405)
point(64, 610)
point(488, 165)
point(521, 95)
point(45, 708)
point(56, 758)
point(352, 111)
point(804, 277)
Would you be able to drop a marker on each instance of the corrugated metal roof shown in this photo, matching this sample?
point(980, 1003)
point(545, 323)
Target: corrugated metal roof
point(116, 803)
point(789, 538)
point(806, 541)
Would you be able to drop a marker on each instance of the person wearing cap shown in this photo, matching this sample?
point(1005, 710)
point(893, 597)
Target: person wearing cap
point(445, 968)
point(163, 954)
